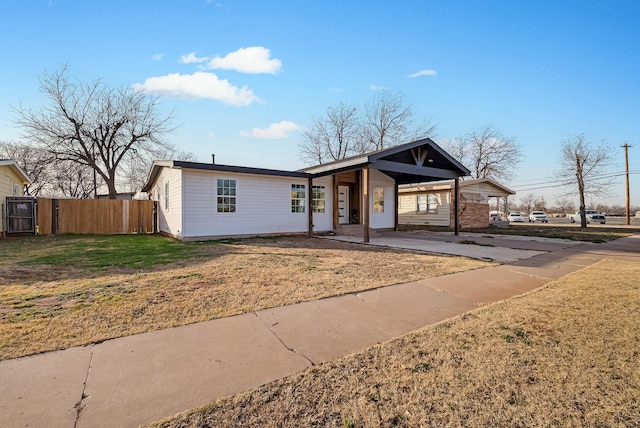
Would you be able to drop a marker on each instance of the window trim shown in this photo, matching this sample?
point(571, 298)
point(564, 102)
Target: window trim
point(219, 204)
point(166, 195)
point(298, 203)
point(426, 209)
point(314, 200)
point(378, 200)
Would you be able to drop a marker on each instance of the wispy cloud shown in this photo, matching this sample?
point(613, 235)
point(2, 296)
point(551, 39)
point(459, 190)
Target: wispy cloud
point(196, 86)
point(378, 88)
point(157, 57)
point(426, 72)
point(274, 131)
point(253, 60)
point(191, 58)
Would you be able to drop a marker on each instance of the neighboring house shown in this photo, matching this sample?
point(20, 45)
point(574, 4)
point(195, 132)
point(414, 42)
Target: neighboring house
point(12, 182)
point(203, 201)
point(431, 203)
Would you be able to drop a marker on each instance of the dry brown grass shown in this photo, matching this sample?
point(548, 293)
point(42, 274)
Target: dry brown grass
point(566, 355)
point(47, 307)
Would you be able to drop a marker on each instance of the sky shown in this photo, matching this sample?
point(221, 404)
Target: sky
point(244, 78)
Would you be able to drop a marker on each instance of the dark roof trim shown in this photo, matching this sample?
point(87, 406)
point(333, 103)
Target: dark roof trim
point(239, 169)
point(424, 171)
point(428, 141)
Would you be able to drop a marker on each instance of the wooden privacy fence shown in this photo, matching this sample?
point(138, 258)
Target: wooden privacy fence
point(95, 216)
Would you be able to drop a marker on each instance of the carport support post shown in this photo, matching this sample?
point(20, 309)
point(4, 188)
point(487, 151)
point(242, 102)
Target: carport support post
point(310, 208)
point(365, 202)
point(456, 207)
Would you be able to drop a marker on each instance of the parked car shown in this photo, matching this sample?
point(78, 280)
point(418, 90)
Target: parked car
point(515, 217)
point(496, 217)
point(592, 216)
point(540, 216)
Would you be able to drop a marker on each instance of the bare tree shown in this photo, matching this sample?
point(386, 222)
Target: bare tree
point(489, 152)
point(35, 161)
point(528, 202)
point(72, 180)
point(388, 121)
point(581, 170)
point(564, 205)
point(331, 138)
point(94, 125)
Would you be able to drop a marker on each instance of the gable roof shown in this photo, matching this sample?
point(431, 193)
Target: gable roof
point(498, 189)
point(15, 168)
point(414, 162)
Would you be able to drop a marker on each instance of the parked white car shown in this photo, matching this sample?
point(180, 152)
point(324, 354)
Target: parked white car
point(592, 216)
point(540, 216)
point(515, 217)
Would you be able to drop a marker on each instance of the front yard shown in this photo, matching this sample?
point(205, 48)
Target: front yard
point(63, 291)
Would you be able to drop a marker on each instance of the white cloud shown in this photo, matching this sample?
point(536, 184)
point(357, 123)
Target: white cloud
point(191, 58)
point(157, 57)
point(253, 60)
point(273, 132)
point(426, 72)
point(378, 88)
point(198, 85)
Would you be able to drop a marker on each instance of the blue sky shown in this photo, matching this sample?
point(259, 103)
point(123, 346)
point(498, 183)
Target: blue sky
point(245, 77)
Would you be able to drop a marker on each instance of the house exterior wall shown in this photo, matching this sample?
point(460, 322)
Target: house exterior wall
point(473, 215)
point(170, 218)
point(10, 185)
point(263, 205)
point(385, 219)
point(408, 209)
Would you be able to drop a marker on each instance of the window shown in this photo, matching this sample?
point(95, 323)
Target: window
point(15, 190)
point(166, 195)
point(378, 199)
point(427, 203)
point(226, 195)
point(317, 199)
point(297, 198)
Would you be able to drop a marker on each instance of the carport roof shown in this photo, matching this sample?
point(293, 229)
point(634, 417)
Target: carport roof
point(415, 162)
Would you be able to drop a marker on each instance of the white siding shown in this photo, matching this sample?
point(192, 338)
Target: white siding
point(408, 214)
point(8, 182)
point(263, 205)
point(169, 220)
point(384, 219)
point(323, 222)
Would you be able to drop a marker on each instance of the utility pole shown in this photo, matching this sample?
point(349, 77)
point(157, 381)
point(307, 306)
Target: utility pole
point(626, 146)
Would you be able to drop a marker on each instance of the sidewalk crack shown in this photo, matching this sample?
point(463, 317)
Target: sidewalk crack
point(80, 405)
point(282, 342)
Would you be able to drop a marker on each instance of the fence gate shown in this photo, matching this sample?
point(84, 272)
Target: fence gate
point(20, 215)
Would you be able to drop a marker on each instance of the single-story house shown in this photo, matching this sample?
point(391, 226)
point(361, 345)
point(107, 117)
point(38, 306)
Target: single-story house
point(431, 203)
point(208, 200)
point(12, 182)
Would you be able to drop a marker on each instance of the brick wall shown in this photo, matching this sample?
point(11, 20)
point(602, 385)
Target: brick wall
point(472, 215)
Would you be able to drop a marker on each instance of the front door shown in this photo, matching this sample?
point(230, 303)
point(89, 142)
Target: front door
point(343, 204)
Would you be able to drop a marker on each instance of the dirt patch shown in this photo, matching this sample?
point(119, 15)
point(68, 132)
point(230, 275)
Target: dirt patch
point(564, 355)
point(45, 308)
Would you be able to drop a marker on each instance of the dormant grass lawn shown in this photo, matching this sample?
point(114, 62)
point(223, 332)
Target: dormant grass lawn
point(565, 355)
point(58, 292)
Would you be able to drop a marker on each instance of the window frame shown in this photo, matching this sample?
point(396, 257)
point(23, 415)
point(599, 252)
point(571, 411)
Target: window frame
point(315, 206)
point(378, 200)
point(166, 195)
point(231, 204)
point(298, 202)
point(427, 204)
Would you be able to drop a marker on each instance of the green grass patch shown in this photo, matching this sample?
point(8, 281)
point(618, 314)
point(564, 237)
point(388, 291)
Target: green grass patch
point(100, 252)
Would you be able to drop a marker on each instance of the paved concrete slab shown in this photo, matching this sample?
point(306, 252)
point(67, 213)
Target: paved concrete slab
point(142, 378)
point(42, 390)
point(486, 285)
point(500, 254)
point(331, 328)
point(417, 303)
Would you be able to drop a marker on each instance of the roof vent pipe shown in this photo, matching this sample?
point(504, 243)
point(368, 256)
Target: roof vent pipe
point(213, 158)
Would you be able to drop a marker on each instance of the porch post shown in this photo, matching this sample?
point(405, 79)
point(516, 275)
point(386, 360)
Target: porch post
point(397, 203)
point(456, 206)
point(365, 202)
point(334, 205)
point(310, 208)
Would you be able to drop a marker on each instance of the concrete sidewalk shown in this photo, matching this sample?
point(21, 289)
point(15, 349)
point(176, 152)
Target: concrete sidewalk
point(138, 379)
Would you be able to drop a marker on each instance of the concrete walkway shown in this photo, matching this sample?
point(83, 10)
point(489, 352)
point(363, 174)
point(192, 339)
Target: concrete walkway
point(139, 379)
